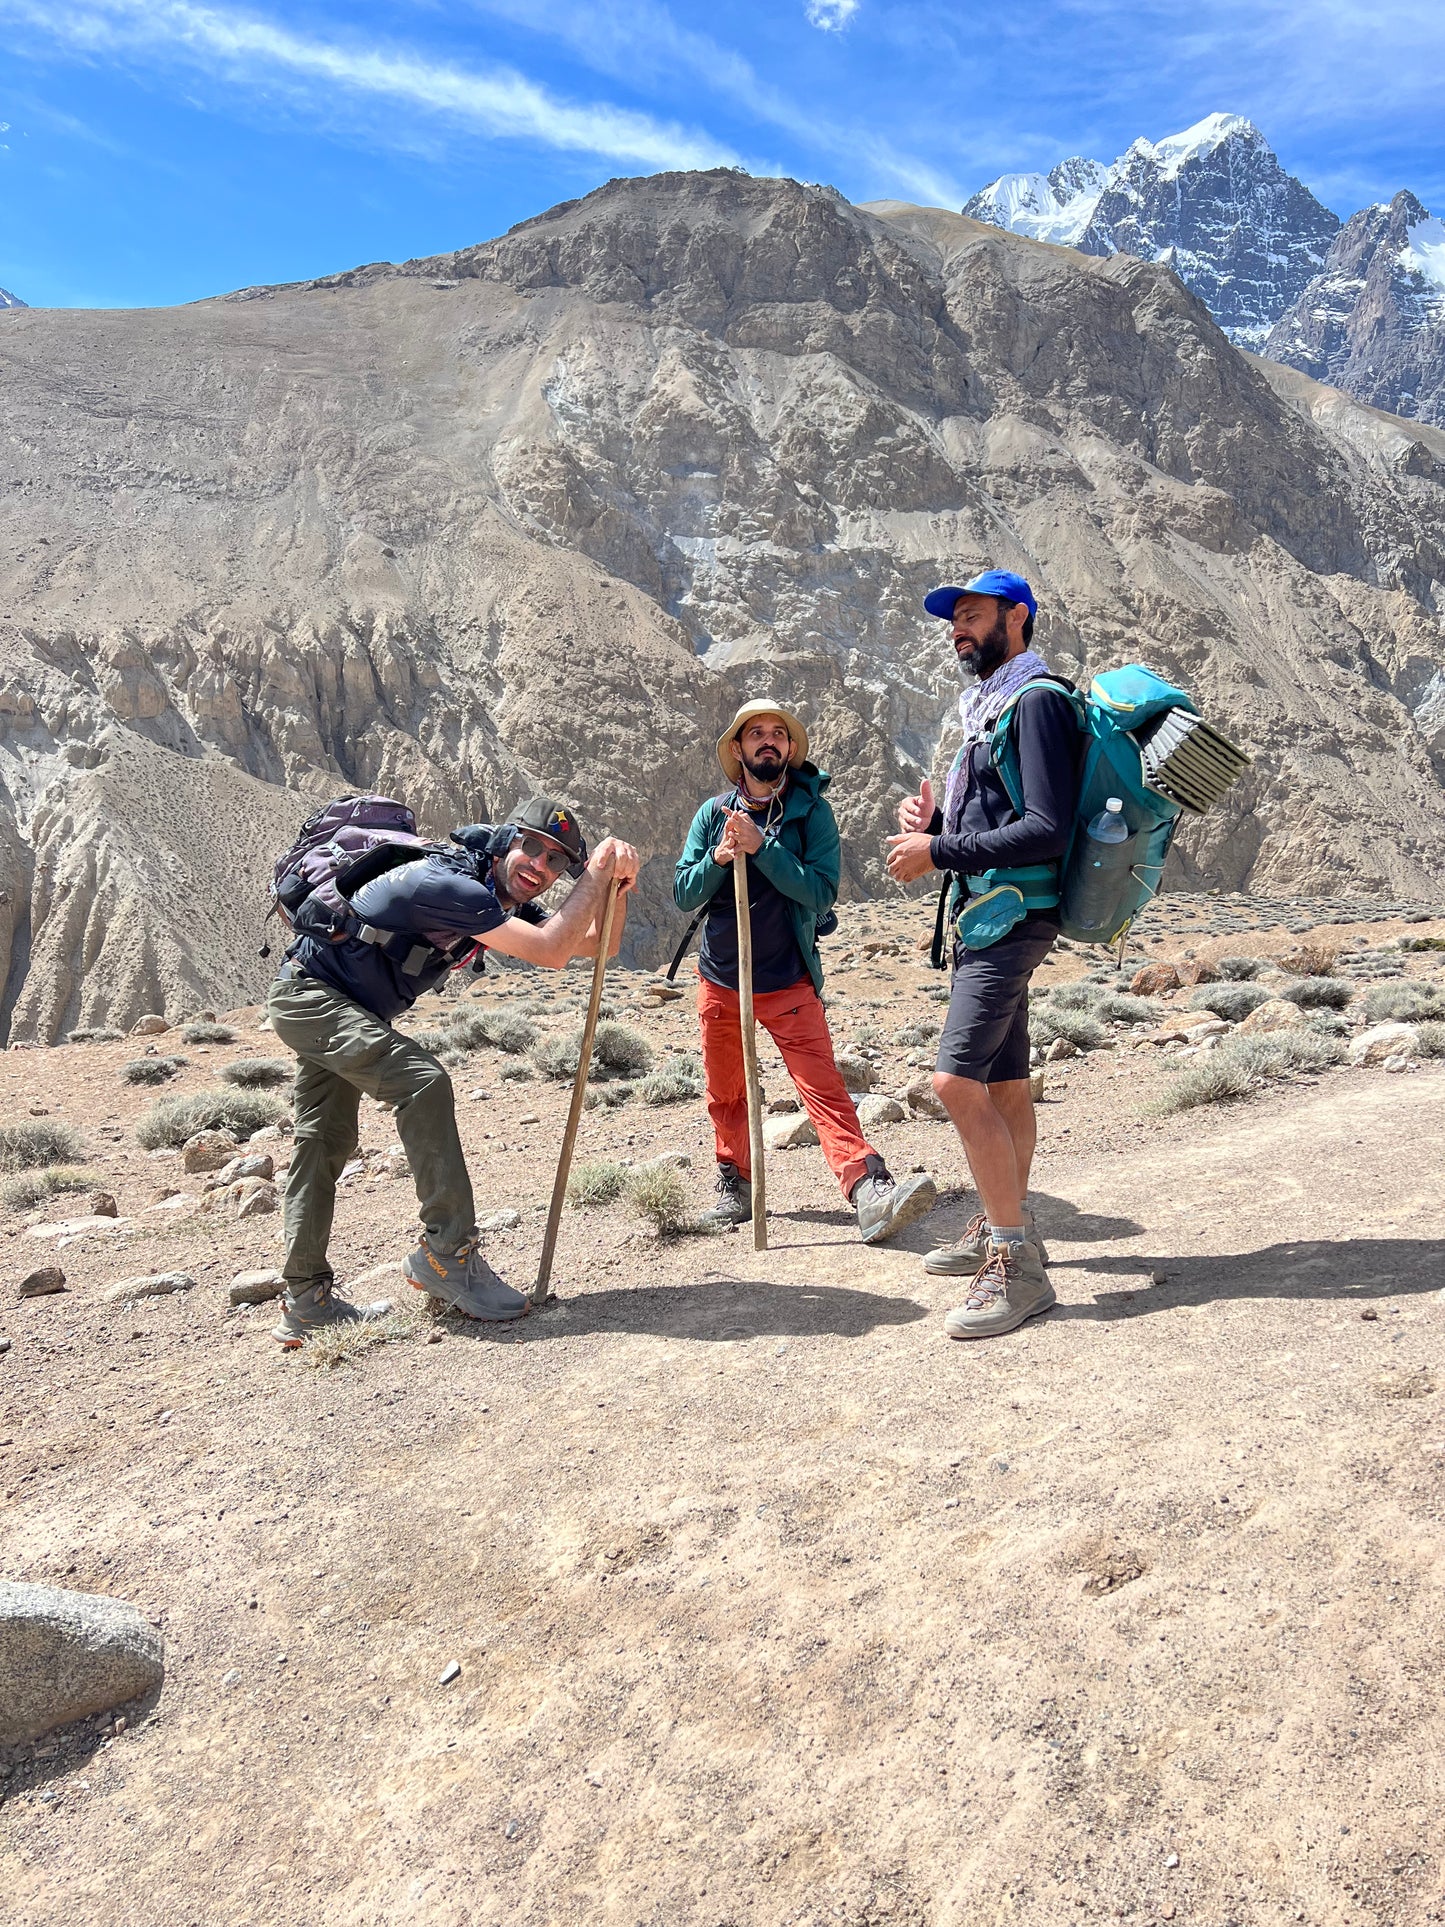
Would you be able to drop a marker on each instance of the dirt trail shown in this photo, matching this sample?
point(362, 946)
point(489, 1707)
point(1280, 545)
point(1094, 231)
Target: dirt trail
point(773, 1606)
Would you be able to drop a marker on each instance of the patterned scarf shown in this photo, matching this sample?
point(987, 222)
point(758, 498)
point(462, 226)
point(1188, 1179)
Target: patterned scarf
point(979, 708)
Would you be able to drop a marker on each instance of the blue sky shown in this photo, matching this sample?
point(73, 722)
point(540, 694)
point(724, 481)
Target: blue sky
point(154, 151)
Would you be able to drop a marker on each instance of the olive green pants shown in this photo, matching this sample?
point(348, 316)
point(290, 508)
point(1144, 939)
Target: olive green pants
point(345, 1050)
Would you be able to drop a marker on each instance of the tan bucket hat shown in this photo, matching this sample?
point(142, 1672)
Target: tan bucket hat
point(727, 743)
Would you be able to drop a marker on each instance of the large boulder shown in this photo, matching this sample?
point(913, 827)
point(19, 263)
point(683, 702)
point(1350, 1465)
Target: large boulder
point(1153, 979)
point(1278, 1014)
point(64, 1655)
point(1380, 1041)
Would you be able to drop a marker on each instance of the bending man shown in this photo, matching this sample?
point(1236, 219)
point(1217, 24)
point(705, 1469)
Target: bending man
point(333, 1004)
point(776, 819)
point(983, 1054)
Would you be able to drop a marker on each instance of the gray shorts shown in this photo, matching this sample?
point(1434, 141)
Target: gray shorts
point(986, 1032)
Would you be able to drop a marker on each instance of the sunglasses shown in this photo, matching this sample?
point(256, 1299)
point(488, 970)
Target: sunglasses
point(536, 851)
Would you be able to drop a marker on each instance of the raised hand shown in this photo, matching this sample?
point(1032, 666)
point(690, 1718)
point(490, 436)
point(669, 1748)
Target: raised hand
point(915, 813)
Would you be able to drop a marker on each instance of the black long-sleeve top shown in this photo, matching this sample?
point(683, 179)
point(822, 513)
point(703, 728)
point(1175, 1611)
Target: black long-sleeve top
point(984, 832)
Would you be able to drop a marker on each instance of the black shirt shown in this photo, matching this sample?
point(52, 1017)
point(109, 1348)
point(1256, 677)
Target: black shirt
point(984, 832)
point(777, 960)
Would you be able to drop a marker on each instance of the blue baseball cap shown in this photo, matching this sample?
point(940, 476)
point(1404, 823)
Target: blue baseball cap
point(995, 582)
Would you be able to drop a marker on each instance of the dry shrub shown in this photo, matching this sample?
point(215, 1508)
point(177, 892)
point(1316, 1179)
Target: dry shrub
point(503, 1030)
point(1239, 969)
point(1316, 958)
point(1319, 993)
point(337, 1345)
point(659, 1195)
point(1047, 1022)
point(23, 1193)
point(208, 1033)
point(101, 1034)
point(678, 1082)
point(599, 1182)
point(175, 1119)
point(622, 1049)
point(152, 1070)
point(259, 1073)
point(1232, 1002)
point(30, 1142)
point(1400, 1002)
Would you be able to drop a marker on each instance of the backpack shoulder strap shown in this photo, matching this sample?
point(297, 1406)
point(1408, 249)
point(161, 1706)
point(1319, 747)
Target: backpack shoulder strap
point(1003, 754)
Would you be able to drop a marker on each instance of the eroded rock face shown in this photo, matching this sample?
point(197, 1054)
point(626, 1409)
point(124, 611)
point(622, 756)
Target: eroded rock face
point(686, 441)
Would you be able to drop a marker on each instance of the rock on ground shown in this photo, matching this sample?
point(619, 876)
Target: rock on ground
point(155, 1284)
point(41, 1283)
point(788, 1133)
point(66, 1654)
point(1278, 1014)
point(208, 1151)
point(1382, 1041)
point(879, 1109)
point(923, 1099)
point(256, 1287)
point(151, 1025)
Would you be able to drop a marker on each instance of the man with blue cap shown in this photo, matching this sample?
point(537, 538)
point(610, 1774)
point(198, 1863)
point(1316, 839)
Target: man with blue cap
point(1001, 832)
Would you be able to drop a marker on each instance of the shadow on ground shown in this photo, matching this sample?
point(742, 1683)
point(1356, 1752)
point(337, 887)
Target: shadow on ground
point(721, 1307)
point(1352, 1270)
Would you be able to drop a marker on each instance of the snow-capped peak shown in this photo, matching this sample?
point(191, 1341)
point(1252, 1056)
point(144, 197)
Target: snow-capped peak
point(8, 300)
point(1056, 206)
point(1175, 151)
point(1424, 251)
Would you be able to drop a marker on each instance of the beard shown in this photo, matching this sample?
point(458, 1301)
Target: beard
point(767, 766)
point(987, 654)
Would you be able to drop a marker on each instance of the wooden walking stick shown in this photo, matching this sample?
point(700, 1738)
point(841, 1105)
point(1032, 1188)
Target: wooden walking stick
point(750, 1051)
point(540, 1291)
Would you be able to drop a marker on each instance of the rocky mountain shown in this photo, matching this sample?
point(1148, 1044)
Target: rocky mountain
point(1213, 203)
point(540, 512)
point(1373, 320)
point(8, 300)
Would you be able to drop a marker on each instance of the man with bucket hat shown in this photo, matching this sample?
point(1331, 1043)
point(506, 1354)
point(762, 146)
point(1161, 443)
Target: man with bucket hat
point(361, 957)
point(1004, 852)
point(775, 817)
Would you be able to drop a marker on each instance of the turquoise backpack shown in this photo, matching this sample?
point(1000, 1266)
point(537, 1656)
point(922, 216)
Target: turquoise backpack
point(1122, 877)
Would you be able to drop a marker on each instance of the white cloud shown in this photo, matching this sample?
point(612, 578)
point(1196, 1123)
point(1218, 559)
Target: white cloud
point(498, 102)
point(831, 15)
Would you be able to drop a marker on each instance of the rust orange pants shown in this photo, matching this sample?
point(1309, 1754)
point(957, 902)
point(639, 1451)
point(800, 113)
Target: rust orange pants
point(795, 1020)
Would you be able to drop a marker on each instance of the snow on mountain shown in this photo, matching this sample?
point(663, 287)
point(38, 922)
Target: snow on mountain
point(8, 300)
point(1372, 321)
point(1212, 202)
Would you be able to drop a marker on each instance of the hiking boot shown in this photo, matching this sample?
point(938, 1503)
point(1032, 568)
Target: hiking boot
point(963, 1259)
point(313, 1310)
point(734, 1199)
point(1011, 1286)
point(884, 1207)
point(464, 1282)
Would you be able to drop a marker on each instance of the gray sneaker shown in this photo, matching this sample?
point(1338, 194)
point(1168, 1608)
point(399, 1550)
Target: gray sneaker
point(734, 1199)
point(1011, 1286)
point(465, 1282)
point(313, 1310)
point(884, 1207)
point(963, 1259)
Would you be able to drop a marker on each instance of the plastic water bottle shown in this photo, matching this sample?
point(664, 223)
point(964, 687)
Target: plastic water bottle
point(1099, 881)
point(1109, 825)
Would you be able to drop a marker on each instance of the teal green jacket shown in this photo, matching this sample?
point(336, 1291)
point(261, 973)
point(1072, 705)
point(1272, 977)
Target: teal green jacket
point(800, 858)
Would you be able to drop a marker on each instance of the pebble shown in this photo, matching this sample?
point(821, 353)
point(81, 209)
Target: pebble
point(4, 1346)
point(41, 1283)
point(1171, 1860)
point(1369, 1314)
point(103, 1205)
point(233, 1678)
point(512, 1829)
point(434, 1336)
point(529, 1117)
point(449, 1673)
point(500, 1221)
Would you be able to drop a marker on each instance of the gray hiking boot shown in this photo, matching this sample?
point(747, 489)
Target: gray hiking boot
point(313, 1310)
point(734, 1198)
point(884, 1207)
point(1011, 1286)
point(464, 1282)
point(963, 1259)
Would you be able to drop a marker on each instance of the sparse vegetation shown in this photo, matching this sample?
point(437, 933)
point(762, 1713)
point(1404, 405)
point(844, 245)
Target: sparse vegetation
point(23, 1193)
point(1118, 1007)
point(910, 1037)
point(1316, 959)
point(152, 1070)
point(609, 1095)
point(1242, 1064)
point(1400, 1002)
point(1319, 993)
point(599, 1182)
point(1239, 969)
point(660, 1196)
point(31, 1142)
point(259, 1073)
point(1046, 1022)
point(515, 1073)
point(622, 1049)
point(504, 1030)
point(337, 1345)
point(174, 1119)
point(1432, 1040)
point(208, 1033)
point(1232, 1002)
point(677, 1082)
point(101, 1034)
point(557, 1057)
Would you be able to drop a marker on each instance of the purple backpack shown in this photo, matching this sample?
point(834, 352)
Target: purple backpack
point(339, 847)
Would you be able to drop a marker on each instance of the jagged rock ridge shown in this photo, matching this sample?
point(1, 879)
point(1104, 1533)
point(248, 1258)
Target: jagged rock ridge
point(1213, 203)
point(1373, 320)
point(537, 514)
